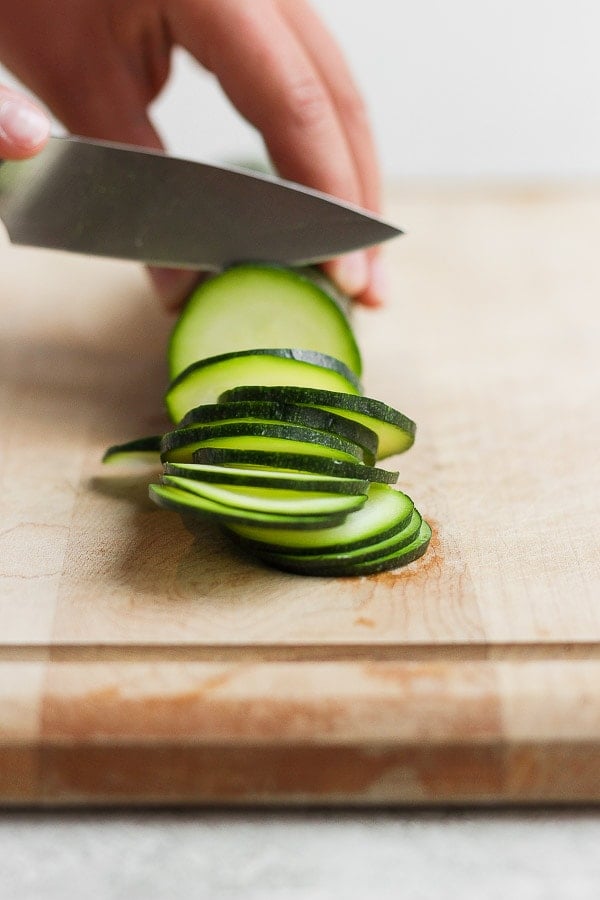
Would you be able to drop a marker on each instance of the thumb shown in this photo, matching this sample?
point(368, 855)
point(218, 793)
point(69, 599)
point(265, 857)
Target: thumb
point(24, 127)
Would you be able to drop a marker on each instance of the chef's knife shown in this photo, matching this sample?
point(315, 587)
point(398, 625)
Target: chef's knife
point(111, 200)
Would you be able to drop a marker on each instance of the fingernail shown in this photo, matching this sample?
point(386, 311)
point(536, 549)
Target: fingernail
point(352, 272)
point(22, 124)
point(173, 285)
point(380, 285)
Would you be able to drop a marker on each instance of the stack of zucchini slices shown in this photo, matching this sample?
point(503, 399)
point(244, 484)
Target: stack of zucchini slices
point(278, 444)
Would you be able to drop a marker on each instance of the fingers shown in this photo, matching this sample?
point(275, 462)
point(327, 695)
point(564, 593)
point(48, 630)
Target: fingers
point(329, 61)
point(24, 127)
point(173, 285)
point(274, 68)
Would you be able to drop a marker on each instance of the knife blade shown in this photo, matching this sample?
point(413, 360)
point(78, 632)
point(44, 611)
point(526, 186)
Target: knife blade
point(112, 200)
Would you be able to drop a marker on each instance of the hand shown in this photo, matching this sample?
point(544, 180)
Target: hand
point(98, 64)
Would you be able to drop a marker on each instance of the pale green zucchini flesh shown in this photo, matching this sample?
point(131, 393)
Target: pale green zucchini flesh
point(251, 306)
point(269, 500)
point(204, 381)
point(253, 477)
point(190, 505)
point(385, 512)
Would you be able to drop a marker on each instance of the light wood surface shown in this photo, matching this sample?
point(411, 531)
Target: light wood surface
point(137, 665)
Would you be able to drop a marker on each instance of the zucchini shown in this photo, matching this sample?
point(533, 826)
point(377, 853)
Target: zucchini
point(336, 559)
point(395, 431)
point(401, 556)
point(289, 413)
point(268, 499)
point(179, 445)
point(272, 437)
point(292, 462)
point(204, 381)
point(291, 481)
point(386, 512)
point(191, 506)
point(144, 450)
point(251, 306)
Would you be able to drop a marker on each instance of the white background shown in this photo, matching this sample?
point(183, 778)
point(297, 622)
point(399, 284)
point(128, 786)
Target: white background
point(456, 88)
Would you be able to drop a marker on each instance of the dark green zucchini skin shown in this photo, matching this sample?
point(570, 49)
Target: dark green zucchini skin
point(297, 354)
point(335, 559)
point(260, 478)
point(395, 431)
point(186, 439)
point(352, 569)
point(137, 449)
point(204, 381)
point(293, 462)
point(291, 413)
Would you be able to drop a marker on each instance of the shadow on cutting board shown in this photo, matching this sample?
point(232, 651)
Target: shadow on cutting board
point(162, 559)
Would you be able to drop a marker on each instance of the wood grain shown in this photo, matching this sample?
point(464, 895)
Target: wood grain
point(140, 665)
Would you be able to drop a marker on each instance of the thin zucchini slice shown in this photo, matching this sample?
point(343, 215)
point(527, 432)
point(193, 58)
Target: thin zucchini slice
point(290, 481)
point(333, 561)
point(385, 512)
point(179, 445)
point(191, 506)
point(396, 432)
point(144, 450)
point(401, 556)
point(255, 305)
point(270, 500)
point(204, 381)
point(292, 462)
point(291, 413)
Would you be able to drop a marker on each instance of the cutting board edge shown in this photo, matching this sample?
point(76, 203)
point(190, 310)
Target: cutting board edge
point(491, 774)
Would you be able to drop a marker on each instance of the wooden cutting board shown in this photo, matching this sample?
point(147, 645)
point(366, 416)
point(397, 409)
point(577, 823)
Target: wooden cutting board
point(139, 666)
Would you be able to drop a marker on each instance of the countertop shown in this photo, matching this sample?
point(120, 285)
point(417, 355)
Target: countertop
point(317, 855)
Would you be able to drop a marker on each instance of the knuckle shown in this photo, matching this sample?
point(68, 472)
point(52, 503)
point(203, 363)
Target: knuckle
point(309, 102)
